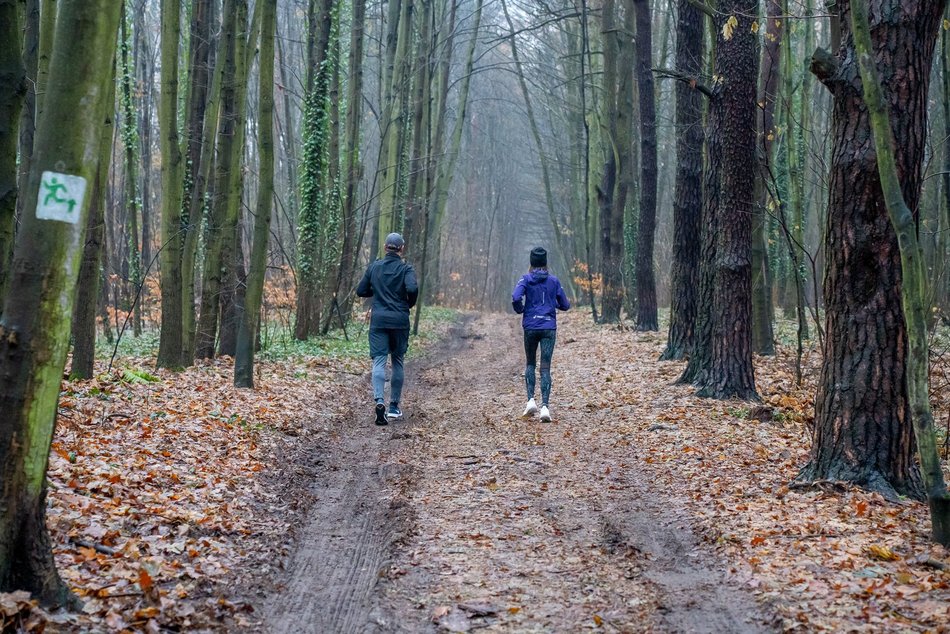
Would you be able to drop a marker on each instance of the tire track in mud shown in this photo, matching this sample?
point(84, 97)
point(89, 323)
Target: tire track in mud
point(418, 522)
point(357, 514)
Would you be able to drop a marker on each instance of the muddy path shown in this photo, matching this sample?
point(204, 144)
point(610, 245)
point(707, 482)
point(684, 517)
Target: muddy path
point(467, 517)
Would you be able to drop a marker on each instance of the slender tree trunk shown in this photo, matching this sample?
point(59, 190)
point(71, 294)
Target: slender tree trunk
point(646, 281)
point(730, 372)
point(31, 49)
point(415, 200)
point(688, 194)
point(201, 116)
point(87, 287)
point(130, 139)
point(244, 357)
point(12, 92)
point(34, 329)
point(611, 227)
point(770, 70)
point(863, 431)
point(222, 224)
point(353, 166)
point(170, 340)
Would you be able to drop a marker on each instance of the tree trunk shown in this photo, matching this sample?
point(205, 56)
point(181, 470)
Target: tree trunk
point(646, 282)
point(130, 140)
point(913, 269)
point(244, 355)
point(12, 92)
point(227, 182)
point(313, 178)
point(353, 167)
point(688, 194)
point(34, 329)
point(170, 339)
point(863, 432)
point(731, 373)
point(611, 226)
point(200, 122)
point(87, 287)
point(770, 70)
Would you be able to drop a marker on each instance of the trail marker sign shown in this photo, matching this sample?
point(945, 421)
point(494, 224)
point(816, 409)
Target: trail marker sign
point(60, 197)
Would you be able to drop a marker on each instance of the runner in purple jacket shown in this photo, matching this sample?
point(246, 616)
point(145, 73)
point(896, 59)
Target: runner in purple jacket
point(537, 298)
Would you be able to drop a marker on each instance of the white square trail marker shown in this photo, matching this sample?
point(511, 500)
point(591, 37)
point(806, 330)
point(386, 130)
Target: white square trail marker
point(60, 197)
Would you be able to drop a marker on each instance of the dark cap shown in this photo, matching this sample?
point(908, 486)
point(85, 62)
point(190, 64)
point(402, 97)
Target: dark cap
point(539, 257)
point(394, 242)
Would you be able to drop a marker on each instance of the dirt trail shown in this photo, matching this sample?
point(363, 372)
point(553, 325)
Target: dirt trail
point(467, 517)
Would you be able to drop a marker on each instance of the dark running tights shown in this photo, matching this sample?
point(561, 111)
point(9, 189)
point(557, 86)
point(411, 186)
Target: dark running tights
point(546, 339)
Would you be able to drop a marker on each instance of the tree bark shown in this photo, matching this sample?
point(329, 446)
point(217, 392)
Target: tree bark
point(170, 339)
point(770, 70)
point(244, 356)
point(87, 287)
point(611, 197)
point(688, 194)
point(12, 93)
point(863, 432)
point(34, 329)
point(913, 269)
point(731, 373)
point(646, 280)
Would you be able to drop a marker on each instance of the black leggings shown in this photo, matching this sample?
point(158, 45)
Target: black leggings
point(546, 338)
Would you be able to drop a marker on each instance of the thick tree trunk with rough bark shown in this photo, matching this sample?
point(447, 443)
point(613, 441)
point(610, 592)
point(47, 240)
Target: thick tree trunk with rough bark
point(863, 432)
point(34, 329)
point(646, 279)
point(730, 372)
point(688, 194)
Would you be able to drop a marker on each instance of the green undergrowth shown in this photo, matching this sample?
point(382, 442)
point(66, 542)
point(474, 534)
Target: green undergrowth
point(280, 343)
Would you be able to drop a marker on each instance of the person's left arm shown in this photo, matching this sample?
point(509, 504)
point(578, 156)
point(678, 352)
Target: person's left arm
point(412, 285)
point(562, 302)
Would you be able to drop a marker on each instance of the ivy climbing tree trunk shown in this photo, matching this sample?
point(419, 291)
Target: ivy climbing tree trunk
point(34, 329)
point(688, 193)
point(770, 70)
point(863, 419)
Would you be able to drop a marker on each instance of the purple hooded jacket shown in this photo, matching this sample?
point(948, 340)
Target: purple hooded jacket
point(537, 298)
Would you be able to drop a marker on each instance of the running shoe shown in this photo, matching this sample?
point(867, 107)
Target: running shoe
point(530, 408)
point(393, 412)
point(545, 414)
point(381, 414)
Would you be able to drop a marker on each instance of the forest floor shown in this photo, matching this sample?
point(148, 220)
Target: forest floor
point(182, 504)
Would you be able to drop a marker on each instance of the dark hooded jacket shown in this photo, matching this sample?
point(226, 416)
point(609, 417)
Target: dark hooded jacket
point(391, 283)
point(537, 298)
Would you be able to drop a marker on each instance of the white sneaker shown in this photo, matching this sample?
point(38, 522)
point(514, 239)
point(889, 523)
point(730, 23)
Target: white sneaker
point(545, 414)
point(530, 408)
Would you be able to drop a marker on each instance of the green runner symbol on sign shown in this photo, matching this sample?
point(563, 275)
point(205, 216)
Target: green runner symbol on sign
point(60, 197)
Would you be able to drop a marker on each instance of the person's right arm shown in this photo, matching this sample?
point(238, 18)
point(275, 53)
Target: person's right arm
point(517, 297)
point(365, 287)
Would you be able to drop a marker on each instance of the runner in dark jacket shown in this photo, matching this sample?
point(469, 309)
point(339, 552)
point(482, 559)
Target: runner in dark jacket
point(537, 298)
point(391, 283)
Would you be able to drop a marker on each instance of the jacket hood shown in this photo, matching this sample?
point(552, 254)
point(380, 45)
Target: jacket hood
point(537, 276)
